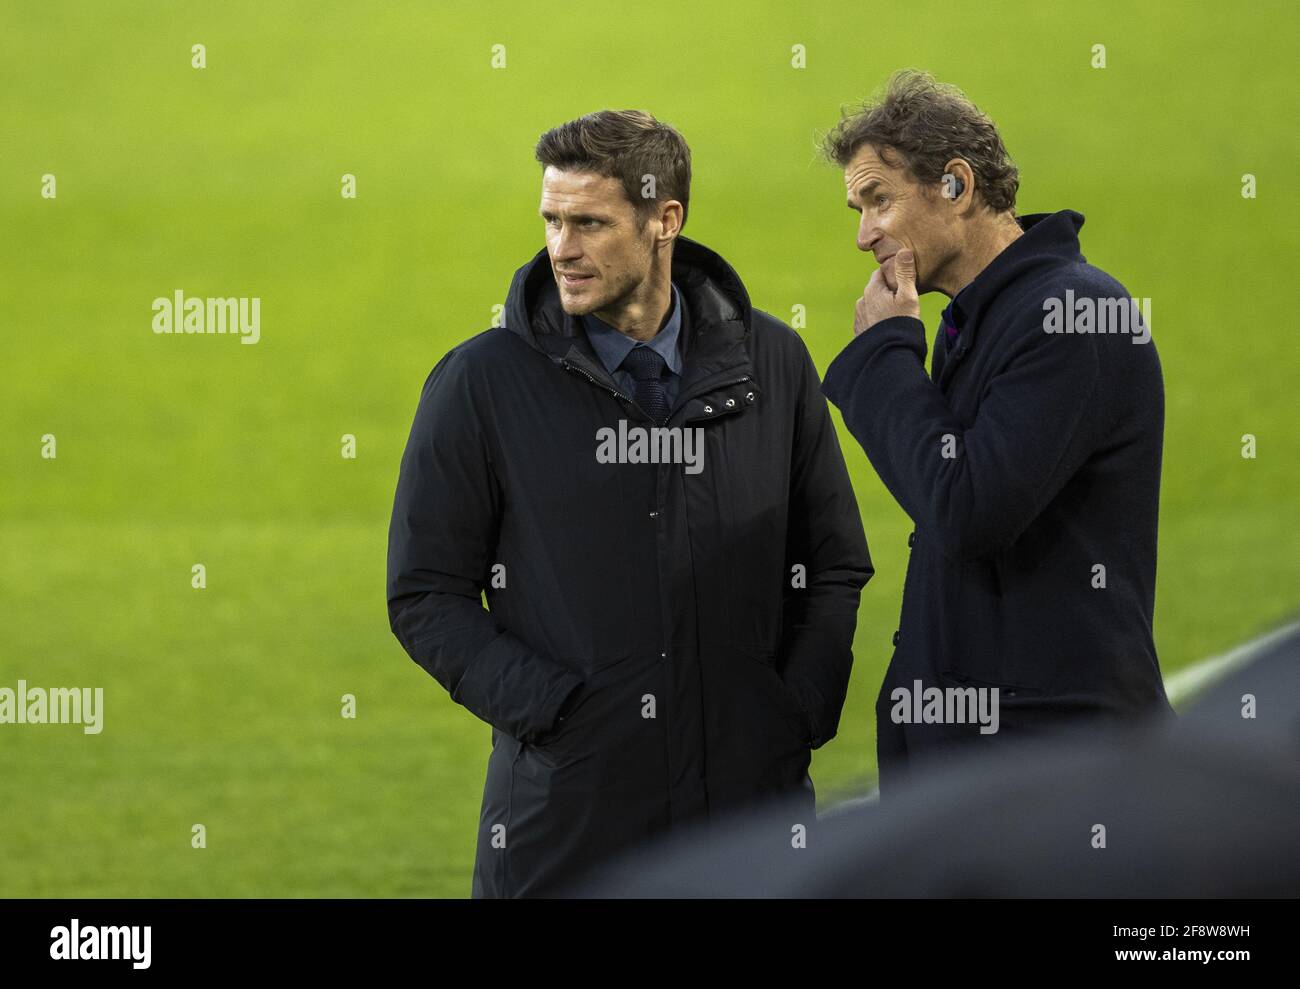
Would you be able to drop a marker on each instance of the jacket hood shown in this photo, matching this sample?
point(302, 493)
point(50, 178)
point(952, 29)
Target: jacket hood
point(709, 286)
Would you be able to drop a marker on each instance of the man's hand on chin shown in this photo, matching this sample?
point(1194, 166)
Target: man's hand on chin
point(881, 301)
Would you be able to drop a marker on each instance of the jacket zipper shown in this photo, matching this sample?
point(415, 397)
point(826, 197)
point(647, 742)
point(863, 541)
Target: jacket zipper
point(577, 370)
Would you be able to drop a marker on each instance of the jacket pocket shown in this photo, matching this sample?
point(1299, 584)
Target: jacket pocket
point(1002, 703)
point(958, 678)
point(770, 680)
point(601, 717)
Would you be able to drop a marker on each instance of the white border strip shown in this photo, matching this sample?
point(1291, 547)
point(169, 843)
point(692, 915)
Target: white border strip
point(1181, 687)
point(1187, 683)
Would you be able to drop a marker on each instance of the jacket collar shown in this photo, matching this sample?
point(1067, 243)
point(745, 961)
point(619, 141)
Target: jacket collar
point(1048, 239)
point(717, 310)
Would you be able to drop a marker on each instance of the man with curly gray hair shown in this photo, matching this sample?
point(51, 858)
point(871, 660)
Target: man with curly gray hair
point(1028, 458)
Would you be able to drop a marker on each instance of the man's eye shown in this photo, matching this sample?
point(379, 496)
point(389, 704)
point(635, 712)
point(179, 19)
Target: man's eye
point(590, 223)
point(882, 200)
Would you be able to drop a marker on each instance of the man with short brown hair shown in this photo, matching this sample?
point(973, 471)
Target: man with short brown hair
point(640, 474)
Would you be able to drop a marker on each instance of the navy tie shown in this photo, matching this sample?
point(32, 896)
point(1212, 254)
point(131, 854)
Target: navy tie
point(647, 370)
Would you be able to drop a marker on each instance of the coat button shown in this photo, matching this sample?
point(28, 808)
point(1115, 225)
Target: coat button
point(654, 515)
point(895, 637)
point(911, 539)
point(708, 410)
point(731, 403)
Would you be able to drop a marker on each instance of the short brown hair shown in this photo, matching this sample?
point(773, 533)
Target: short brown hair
point(628, 145)
point(927, 124)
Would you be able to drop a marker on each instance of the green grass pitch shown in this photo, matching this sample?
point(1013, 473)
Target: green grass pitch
point(223, 704)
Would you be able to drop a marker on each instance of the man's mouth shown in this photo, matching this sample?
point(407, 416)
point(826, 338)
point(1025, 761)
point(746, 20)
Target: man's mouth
point(881, 261)
point(573, 278)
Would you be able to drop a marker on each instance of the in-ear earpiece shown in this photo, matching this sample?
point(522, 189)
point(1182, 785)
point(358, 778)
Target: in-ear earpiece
point(952, 186)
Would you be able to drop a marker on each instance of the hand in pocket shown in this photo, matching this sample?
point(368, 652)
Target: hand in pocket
point(591, 721)
point(554, 744)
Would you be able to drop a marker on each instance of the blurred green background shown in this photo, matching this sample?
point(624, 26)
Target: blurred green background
point(223, 704)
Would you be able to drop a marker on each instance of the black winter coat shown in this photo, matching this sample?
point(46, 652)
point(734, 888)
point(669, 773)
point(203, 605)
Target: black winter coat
point(664, 610)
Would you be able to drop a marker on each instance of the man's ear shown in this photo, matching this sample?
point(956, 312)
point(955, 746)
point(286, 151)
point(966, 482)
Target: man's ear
point(957, 184)
point(670, 221)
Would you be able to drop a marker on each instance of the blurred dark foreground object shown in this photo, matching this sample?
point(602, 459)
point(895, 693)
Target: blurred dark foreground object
point(1204, 806)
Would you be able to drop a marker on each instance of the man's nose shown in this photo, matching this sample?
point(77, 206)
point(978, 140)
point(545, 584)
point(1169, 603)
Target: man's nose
point(868, 236)
point(567, 245)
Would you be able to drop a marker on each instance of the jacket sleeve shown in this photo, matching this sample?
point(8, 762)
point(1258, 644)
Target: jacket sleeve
point(974, 488)
point(824, 534)
point(441, 542)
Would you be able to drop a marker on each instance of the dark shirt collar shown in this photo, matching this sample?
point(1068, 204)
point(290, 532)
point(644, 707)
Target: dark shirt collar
point(612, 346)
